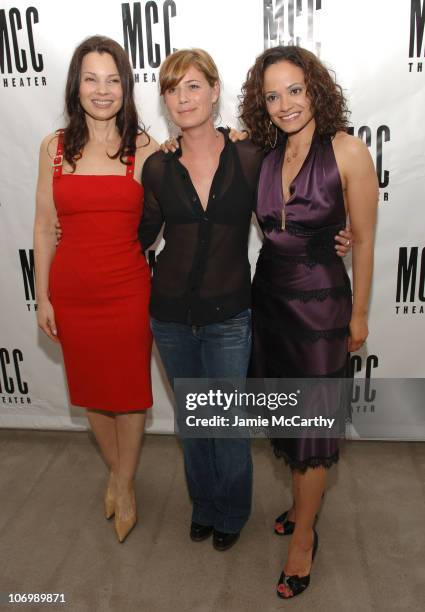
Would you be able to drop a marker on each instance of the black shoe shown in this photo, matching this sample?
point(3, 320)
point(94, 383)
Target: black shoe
point(282, 526)
point(296, 583)
point(224, 541)
point(200, 532)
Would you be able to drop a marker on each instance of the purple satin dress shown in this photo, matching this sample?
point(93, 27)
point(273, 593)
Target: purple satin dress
point(301, 292)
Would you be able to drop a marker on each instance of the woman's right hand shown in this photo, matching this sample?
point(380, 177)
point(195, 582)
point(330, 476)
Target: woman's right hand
point(358, 332)
point(46, 319)
point(169, 146)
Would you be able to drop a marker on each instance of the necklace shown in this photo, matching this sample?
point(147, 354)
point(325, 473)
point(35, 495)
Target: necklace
point(289, 156)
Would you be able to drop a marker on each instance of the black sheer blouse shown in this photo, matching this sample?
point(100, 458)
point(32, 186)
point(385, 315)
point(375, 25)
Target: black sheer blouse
point(203, 274)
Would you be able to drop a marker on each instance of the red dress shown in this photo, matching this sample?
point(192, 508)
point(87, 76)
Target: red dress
point(100, 288)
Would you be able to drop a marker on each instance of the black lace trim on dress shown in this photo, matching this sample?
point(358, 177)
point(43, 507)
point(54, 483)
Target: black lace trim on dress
point(311, 462)
point(303, 259)
point(295, 229)
point(305, 296)
point(320, 246)
point(299, 229)
point(302, 333)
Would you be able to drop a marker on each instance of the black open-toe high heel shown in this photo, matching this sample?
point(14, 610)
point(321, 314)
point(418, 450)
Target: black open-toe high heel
point(296, 583)
point(282, 526)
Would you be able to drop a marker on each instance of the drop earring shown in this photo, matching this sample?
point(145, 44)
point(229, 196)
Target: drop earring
point(269, 142)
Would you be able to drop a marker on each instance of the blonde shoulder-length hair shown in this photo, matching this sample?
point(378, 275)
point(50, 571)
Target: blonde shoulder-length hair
point(175, 66)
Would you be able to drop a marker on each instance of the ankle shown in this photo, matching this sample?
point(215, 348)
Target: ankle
point(125, 486)
point(303, 537)
point(113, 474)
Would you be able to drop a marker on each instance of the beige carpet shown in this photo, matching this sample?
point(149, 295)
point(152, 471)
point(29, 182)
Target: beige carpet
point(53, 537)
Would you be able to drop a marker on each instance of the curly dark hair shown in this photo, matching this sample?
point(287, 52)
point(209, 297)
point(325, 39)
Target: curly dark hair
point(76, 133)
point(327, 99)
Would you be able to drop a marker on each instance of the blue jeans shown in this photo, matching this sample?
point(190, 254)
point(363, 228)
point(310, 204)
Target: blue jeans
point(218, 471)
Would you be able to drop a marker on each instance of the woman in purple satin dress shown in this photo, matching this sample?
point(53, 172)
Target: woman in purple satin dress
point(305, 320)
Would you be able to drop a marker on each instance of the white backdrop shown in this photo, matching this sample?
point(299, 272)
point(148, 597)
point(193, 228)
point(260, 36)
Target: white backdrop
point(377, 51)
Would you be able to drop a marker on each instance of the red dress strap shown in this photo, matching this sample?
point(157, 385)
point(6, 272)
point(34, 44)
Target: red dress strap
point(130, 167)
point(58, 159)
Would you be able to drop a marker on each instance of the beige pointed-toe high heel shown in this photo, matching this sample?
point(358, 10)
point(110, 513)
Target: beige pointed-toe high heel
point(124, 526)
point(109, 499)
point(109, 505)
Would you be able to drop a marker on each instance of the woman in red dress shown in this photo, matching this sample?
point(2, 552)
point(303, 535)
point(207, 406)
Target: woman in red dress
point(93, 289)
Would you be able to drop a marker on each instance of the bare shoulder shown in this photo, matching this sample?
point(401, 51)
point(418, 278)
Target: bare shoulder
point(145, 145)
point(349, 146)
point(49, 145)
point(354, 160)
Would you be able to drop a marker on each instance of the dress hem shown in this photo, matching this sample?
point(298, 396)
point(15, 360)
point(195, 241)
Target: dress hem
point(85, 406)
point(311, 462)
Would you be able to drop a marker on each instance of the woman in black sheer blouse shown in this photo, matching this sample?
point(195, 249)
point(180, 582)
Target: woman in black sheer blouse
point(201, 289)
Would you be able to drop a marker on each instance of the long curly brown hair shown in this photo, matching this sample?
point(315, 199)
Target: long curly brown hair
point(326, 97)
point(76, 133)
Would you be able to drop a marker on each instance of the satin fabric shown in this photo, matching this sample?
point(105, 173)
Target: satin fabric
point(301, 291)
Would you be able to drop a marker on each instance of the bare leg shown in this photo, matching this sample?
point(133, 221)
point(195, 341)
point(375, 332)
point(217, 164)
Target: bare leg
point(308, 489)
point(104, 429)
point(129, 431)
point(292, 510)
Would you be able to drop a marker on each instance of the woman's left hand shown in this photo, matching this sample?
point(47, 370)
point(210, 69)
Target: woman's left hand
point(58, 231)
point(344, 242)
point(358, 332)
